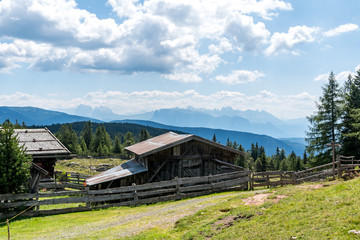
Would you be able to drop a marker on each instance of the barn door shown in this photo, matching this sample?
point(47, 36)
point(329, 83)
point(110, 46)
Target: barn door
point(191, 167)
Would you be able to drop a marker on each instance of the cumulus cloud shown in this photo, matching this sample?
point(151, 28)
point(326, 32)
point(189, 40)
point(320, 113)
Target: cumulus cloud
point(285, 42)
point(322, 77)
point(357, 68)
point(240, 76)
point(162, 36)
point(341, 77)
point(283, 106)
point(247, 35)
point(183, 77)
point(341, 29)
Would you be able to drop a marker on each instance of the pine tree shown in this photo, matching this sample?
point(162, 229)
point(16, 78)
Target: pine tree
point(235, 145)
point(271, 164)
point(283, 165)
point(87, 134)
point(128, 139)
point(144, 135)
point(14, 163)
point(229, 143)
point(282, 155)
point(214, 138)
point(254, 151)
point(263, 161)
point(102, 138)
point(350, 133)
point(276, 158)
point(84, 149)
point(305, 158)
point(298, 166)
point(117, 146)
point(240, 160)
point(325, 123)
point(258, 165)
point(69, 138)
point(292, 161)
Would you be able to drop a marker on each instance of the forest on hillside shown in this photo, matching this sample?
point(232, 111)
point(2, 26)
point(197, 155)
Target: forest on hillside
point(337, 120)
point(110, 139)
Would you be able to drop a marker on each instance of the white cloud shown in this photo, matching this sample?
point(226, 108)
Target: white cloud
point(341, 77)
point(283, 106)
point(240, 77)
point(284, 42)
point(183, 77)
point(246, 34)
point(322, 77)
point(341, 29)
point(125, 8)
point(357, 68)
point(162, 36)
point(223, 46)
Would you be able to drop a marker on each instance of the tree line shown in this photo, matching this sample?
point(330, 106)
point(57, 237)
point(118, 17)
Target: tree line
point(257, 160)
point(98, 143)
point(336, 120)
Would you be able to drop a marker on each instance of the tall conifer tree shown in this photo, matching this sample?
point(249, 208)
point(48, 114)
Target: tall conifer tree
point(325, 123)
point(350, 134)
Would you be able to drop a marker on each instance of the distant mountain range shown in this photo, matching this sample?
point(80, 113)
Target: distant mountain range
point(259, 122)
point(245, 139)
point(38, 116)
point(200, 120)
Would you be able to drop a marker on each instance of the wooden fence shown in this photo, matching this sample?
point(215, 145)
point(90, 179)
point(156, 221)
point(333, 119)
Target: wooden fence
point(177, 188)
point(67, 180)
point(269, 179)
point(276, 178)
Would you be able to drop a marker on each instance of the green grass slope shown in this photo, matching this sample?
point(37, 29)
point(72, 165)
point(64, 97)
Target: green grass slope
point(327, 210)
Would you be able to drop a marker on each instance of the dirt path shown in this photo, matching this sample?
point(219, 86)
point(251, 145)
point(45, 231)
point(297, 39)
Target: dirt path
point(162, 215)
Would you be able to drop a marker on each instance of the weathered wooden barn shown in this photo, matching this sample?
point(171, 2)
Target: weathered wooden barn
point(43, 147)
point(168, 156)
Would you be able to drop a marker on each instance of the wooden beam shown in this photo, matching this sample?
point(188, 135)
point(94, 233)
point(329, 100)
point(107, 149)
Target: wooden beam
point(228, 164)
point(158, 170)
point(188, 172)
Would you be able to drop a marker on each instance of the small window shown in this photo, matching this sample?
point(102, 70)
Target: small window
point(176, 150)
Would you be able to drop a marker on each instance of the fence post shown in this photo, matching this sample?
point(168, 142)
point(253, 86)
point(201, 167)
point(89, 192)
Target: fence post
point(293, 178)
point(88, 197)
point(136, 198)
point(8, 228)
point(252, 181)
point(37, 207)
point(178, 193)
point(339, 167)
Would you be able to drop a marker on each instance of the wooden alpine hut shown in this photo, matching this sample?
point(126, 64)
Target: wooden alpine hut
point(168, 156)
point(43, 147)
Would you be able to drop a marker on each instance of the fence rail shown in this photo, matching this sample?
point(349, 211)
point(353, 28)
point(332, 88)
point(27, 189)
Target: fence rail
point(177, 188)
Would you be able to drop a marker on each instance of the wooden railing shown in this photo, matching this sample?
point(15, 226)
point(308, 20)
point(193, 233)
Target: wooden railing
point(69, 180)
point(268, 179)
point(177, 188)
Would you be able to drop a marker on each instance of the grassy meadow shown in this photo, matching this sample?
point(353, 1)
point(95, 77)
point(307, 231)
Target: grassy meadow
point(86, 165)
point(326, 210)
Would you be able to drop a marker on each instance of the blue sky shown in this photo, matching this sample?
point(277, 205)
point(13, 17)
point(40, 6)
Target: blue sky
point(136, 56)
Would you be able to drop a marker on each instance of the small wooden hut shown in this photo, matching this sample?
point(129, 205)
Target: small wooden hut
point(43, 147)
point(168, 156)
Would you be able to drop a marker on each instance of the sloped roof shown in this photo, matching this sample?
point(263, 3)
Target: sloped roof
point(40, 142)
point(128, 168)
point(168, 140)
